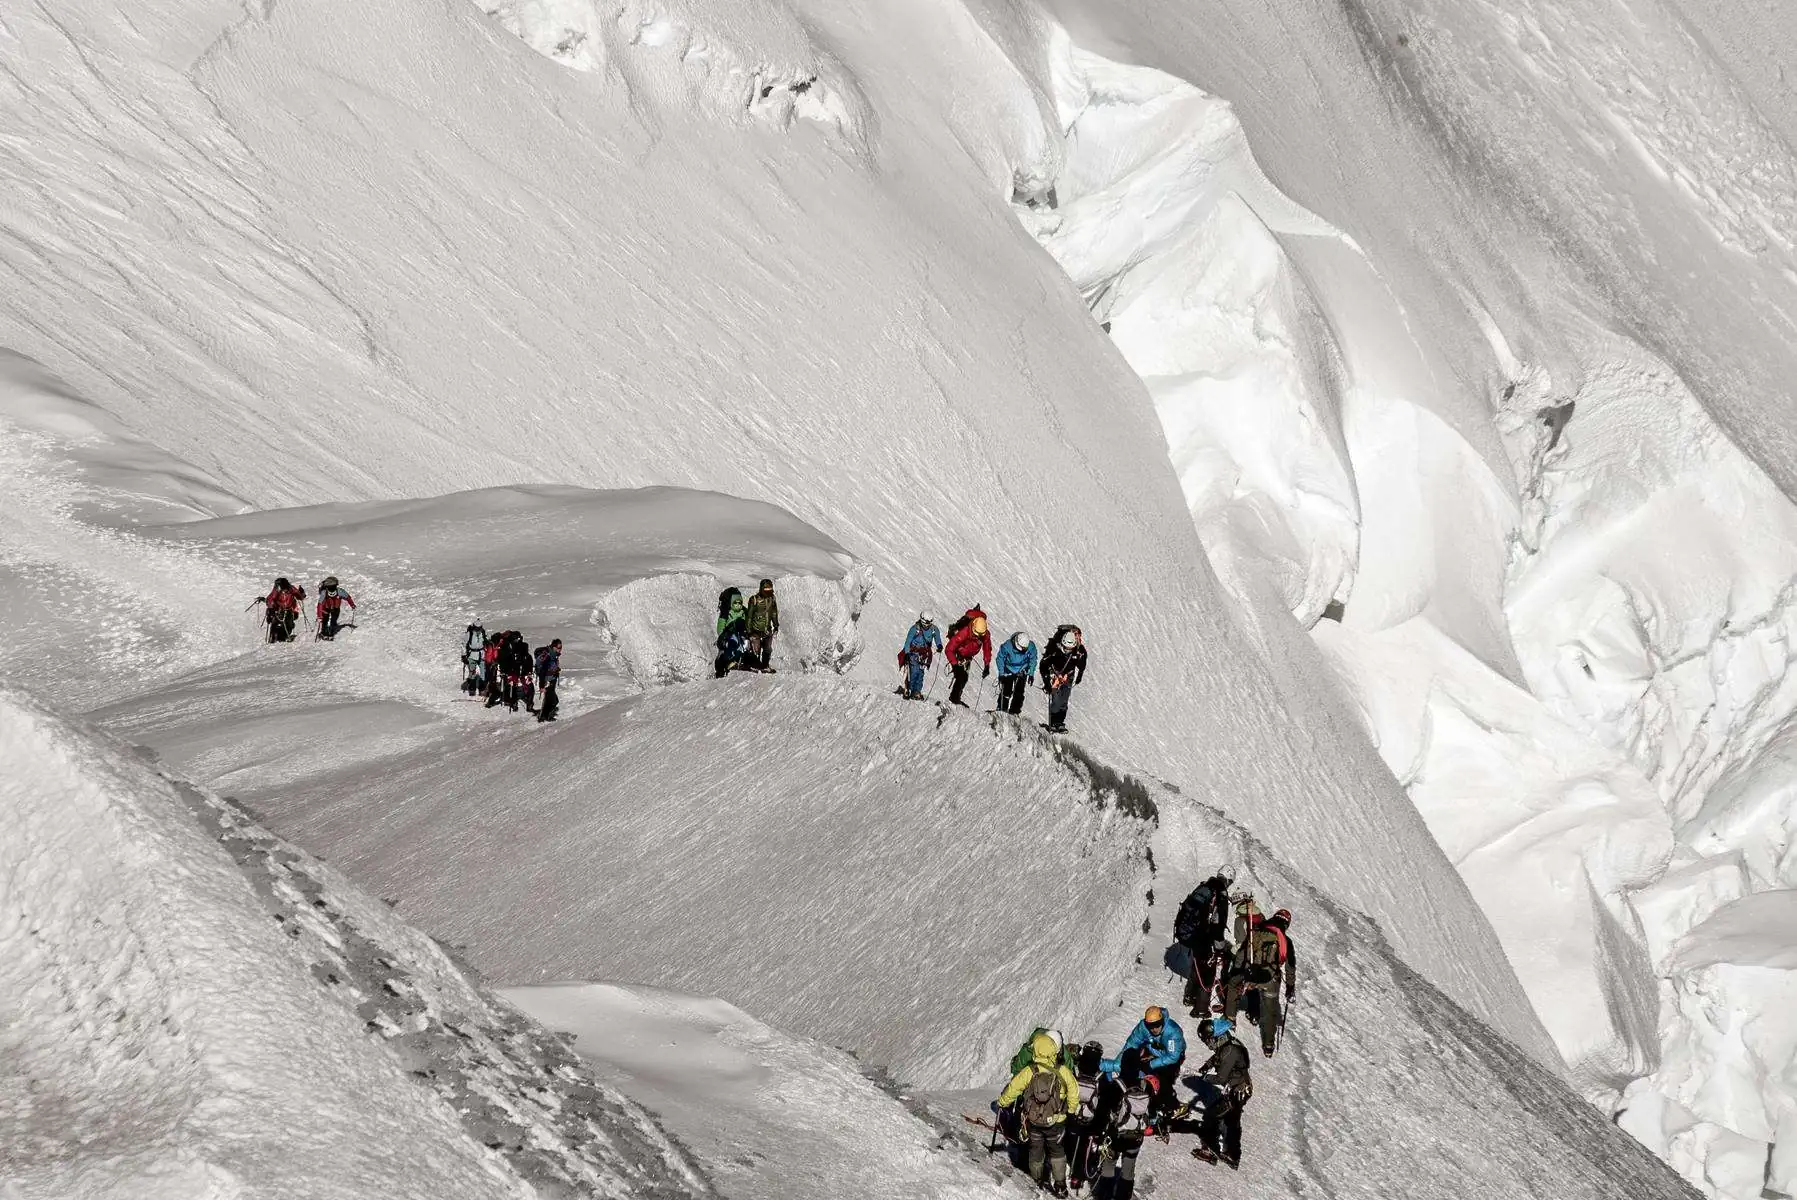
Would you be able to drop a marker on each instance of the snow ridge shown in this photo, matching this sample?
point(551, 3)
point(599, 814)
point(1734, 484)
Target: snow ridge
point(162, 1039)
point(757, 61)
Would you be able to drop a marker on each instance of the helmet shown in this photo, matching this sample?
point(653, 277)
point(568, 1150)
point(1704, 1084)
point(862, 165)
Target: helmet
point(1154, 1015)
point(979, 625)
point(1152, 1083)
point(1055, 1036)
point(925, 619)
point(1069, 640)
point(1020, 639)
point(1284, 914)
point(330, 581)
point(1221, 1027)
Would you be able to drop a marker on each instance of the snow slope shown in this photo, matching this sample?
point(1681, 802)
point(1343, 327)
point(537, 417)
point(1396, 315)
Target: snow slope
point(823, 855)
point(341, 257)
point(162, 1038)
point(337, 255)
point(1383, 1087)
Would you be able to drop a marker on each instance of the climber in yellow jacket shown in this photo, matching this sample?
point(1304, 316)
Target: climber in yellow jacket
point(1047, 1093)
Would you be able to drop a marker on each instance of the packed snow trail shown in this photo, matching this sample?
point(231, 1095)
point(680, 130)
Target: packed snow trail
point(162, 1038)
point(891, 925)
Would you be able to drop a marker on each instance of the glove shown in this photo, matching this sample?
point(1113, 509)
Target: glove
point(986, 673)
point(995, 1106)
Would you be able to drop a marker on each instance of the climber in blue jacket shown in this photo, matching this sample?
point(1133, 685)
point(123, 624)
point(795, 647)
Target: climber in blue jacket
point(1159, 1047)
point(1016, 663)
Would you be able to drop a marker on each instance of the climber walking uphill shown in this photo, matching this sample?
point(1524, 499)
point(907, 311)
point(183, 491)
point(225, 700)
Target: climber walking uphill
point(1063, 666)
point(1202, 928)
point(733, 632)
point(1046, 1093)
point(474, 659)
point(331, 599)
point(1016, 664)
point(761, 623)
point(1264, 978)
point(1223, 1088)
point(923, 641)
point(281, 609)
point(1112, 1136)
point(549, 677)
point(966, 638)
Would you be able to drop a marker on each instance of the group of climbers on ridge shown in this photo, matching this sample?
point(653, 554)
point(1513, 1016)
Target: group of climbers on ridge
point(283, 606)
point(502, 667)
point(746, 629)
point(1062, 665)
point(1082, 1119)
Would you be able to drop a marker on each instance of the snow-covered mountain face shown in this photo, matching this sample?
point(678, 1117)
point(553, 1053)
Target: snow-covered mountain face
point(1420, 360)
point(646, 275)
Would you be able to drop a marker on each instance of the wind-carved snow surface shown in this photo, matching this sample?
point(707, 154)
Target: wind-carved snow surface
point(1681, 663)
point(1572, 780)
point(162, 1038)
point(1159, 214)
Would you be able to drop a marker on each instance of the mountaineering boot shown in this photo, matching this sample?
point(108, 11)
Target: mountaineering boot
point(1059, 1189)
point(1204, 1154)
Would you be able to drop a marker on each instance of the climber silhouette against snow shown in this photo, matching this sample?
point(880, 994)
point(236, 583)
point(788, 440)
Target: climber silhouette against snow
point(1263, 980)
point(494, 676)
point(515, 661)
point(331, 599)
point(1122, 1120)
point(549, 677)
point(733, 632)
point(1224, 1087)
point(1063, 666)
point(1046, 1094)
point(761, 621)
point(966, 638)
point(474, 659)
point(281, 609)
point(923, 641)
point(1202, 928)
point(1016, 664)
point(1084, 1140)
point(1159, 1045)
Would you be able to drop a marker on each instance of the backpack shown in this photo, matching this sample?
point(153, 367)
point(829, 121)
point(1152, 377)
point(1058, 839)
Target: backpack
point(958, 624)
point(1194, 920)
point(1042, 1098)
point(1267, 950)
point(474, 644)
point(543, 653)
point(1247, 918)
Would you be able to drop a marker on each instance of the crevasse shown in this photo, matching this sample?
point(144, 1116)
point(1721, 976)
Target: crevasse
point(1598, 733)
